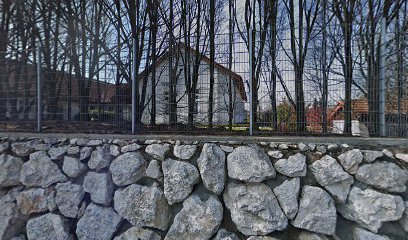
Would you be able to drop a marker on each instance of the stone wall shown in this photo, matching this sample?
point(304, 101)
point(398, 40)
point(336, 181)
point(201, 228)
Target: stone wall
point(118, 189)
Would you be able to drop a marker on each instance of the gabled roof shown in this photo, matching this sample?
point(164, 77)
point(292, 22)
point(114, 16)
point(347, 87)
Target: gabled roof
point(222, 69)
point(360, 106)
point(27, 79)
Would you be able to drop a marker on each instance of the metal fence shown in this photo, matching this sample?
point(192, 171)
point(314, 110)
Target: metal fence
point(259, 86)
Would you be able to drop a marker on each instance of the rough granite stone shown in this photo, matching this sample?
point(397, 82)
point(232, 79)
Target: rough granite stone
point(120, 142)
point(287, 194)
point(98, 223)
point(72, 167)
point(261, 238)
point(350, 160)
point(304, 235)
point(4, 147)
point(332, 147)
point(294, 166)
point(211, 165)
point(52, 206)
point(94, 142)
point(40, 171)
point(197, 219)
point(100, 187)
point(24, 149)
point(20, 237)
point(388, 153)
point(143, 206)
point(184, 152)
point(179, 180)
point(12, 221)
point(254, 208)
point(223, 234)
point(10, 167)
point(311, 146)
point(85, 153)
point(321, 149)
point(303, 147)
point(383, 175)
point(249, 164)
point(402, 157)
point(362, 234)
point(283, 146)
point(317, 212)
point(158, 151)
point(48, 227)
point(57, 153)
point(332, 177)
point(81, 142)
point(68, 198)
point(370, 155)
point(275, 154)
point(404, 220)
point(370, 209)
point(33, 200)
point(137, 233)
point(154, 170)
point(73, 150)
point(114, 150)
point(227, 149)
point(100, 158)
point(130, 148)
point(42, 147)
point(128, 168)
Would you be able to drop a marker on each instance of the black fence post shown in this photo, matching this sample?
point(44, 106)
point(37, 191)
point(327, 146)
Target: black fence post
point(134, 87)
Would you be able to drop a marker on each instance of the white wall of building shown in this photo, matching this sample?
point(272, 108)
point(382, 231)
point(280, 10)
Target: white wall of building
point(221, 98)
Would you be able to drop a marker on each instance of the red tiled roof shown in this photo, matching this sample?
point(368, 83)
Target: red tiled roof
point(360, 106)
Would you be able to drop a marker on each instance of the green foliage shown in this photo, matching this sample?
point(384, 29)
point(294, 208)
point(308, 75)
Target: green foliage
point(286, 117)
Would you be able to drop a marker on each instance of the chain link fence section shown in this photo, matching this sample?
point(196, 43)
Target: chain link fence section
point(259, 86)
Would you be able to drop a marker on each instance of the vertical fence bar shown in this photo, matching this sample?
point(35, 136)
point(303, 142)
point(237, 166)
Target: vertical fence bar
point(382, 78)
point(134, 86)
point(251, 74)
point(39, 92)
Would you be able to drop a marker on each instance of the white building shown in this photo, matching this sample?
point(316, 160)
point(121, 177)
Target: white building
point(220, 97)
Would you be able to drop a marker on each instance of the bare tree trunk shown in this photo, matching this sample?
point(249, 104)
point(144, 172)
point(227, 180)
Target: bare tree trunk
point(349, 80)
point(272, 50)
point(153, 22)
point(325, 91)
point(186, 58)
point(83, 86)
point(70, 90)
point(344, 11)
point(196, 67)
point(172, 71)
point(372, 55)
point(299, 48)
point(118, 57)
